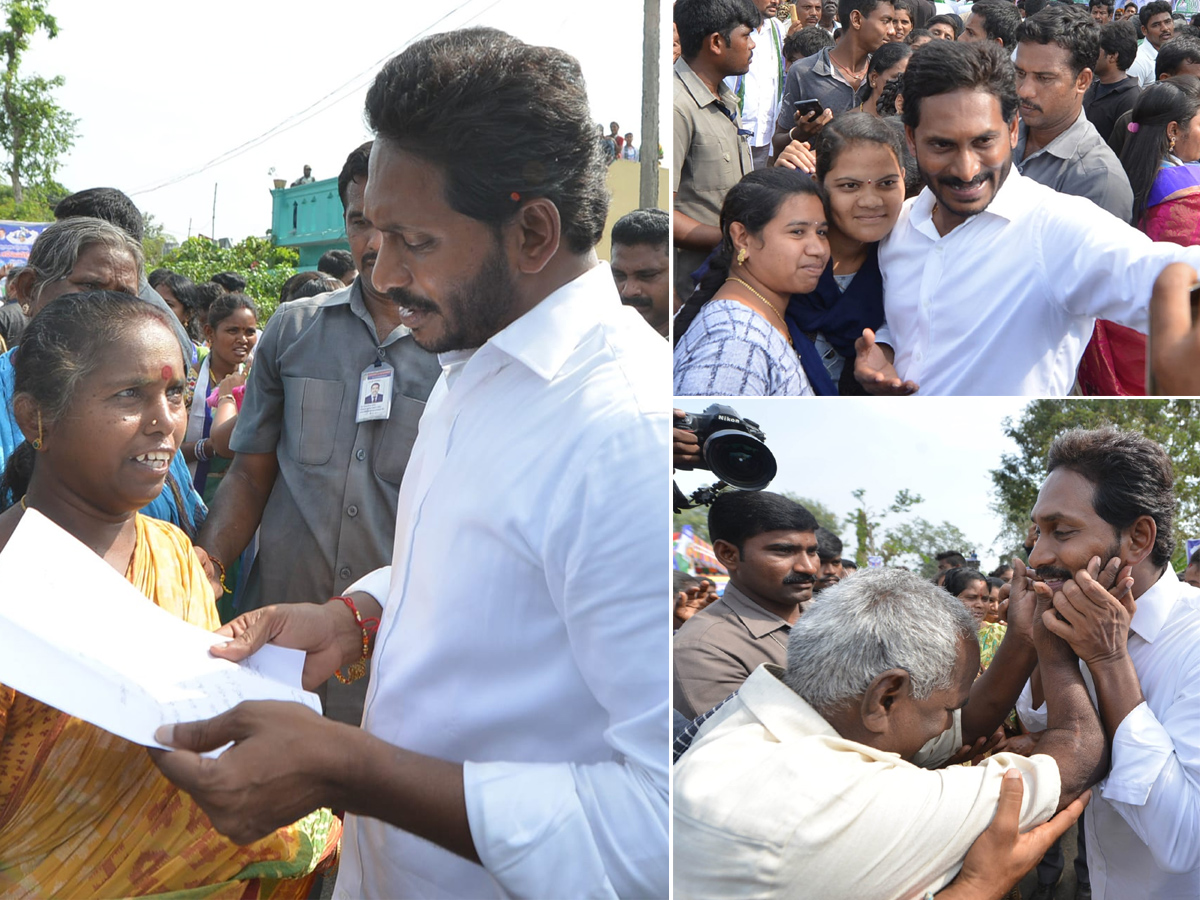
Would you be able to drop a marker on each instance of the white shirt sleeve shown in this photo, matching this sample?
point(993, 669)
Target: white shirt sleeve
point(1033, 719)
point(1119, 290)
point(1154, 781)
point(608, 818)
point(377, 584)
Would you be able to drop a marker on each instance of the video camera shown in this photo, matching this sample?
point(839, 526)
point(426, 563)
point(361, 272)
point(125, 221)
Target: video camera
point(732, 448)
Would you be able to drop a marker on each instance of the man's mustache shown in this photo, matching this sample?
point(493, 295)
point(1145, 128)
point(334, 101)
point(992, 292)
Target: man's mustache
point(1050, 573)
point(960, 185)
point(799, 578)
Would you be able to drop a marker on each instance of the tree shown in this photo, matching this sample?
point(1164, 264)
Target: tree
point(919, 541)
point(867, 522)
point(34, 130)
point(37, 204)
point(1171, 423)
point(154, 241)
point(264, 266)
point(825, 516)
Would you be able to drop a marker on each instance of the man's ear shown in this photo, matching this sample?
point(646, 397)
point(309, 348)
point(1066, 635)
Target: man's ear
point(535, 232)
point(879, 700)
point(727, 554)
point(1139, 540)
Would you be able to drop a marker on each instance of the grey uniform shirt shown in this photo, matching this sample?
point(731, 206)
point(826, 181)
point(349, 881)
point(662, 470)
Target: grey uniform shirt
point(717, 649)
point(331, 515)
point(1079, 162)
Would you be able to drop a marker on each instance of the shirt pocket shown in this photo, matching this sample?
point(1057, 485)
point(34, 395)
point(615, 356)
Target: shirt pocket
point(399, 433)
point(712, 159)
point(311, 409)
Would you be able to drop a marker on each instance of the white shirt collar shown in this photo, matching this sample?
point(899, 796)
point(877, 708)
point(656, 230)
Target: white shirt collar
point(1154, 606)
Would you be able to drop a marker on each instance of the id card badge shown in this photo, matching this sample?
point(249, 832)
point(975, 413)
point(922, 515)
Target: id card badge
point(375, 393)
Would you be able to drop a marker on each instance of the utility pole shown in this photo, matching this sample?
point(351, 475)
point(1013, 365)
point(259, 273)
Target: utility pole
point(648, 155)
point(213, 228)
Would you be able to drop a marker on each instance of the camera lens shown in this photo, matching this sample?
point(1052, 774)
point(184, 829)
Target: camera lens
point(740, 460)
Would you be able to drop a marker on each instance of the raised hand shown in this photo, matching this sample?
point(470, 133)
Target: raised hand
point(875, 372)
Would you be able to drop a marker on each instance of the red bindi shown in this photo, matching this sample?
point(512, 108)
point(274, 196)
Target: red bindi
point(167, 372)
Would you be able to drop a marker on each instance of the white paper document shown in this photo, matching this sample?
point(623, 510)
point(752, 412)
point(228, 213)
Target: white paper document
point(77, 636)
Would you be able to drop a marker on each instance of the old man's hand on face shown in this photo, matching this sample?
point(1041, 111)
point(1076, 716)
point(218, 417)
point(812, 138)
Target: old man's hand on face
point(1092, 611)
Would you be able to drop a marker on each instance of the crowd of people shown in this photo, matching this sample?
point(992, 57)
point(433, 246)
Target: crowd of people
point(883, 206)
point(465, 383)
point(874, 734)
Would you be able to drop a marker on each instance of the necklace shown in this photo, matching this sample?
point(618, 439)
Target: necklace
point(853, 76)
point(786, 333)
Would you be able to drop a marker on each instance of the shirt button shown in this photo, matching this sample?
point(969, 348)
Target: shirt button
point(344, 572)
point(360, 453)
point(352, 511)
point(919, 355)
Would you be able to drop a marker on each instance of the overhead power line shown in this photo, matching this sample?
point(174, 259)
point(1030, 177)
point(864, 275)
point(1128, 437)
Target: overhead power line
point(337, 95)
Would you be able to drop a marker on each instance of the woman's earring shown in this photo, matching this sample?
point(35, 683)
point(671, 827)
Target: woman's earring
point(742, 256)
point(37, 441)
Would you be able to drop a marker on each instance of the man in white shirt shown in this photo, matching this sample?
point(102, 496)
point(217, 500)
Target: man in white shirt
point(809, 781)
point(1157, 27)
point(759, 90)
point(1109, 494)
point(514, 740)
point(992, 282)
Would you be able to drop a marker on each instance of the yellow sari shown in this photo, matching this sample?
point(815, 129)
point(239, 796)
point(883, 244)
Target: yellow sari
point(84, 813)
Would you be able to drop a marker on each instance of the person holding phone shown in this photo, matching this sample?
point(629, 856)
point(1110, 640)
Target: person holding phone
point(836, 77)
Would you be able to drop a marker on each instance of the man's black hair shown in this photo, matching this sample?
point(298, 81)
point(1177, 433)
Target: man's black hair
point(849, 564)
point(436, 98)
point(642, 226)
point(231, 281)
point(336, 263)
point(1000, 20)
point(865, 7)
point(807, 41)
point(1033, 7)
point(1120, 37)
point(1194, 559)
point(1101, 4)
point(697, 19)
point(953, 557)
point(1174, 54)
point(1070, 28)
point(354, 167)
point(944, 66)
point(1152, 9)
point(829, 545)
point(737, 516)
point(108, 204)
point(1131, 476)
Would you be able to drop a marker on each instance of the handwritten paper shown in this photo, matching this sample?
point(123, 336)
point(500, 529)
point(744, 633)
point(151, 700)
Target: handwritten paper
point(77, 636)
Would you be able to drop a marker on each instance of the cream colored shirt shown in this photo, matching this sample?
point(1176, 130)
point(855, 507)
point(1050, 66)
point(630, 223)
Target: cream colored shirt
point(771, 802)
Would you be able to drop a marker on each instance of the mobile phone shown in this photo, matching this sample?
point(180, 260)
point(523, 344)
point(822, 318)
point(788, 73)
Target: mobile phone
point(1194, 303)
point(804, 107)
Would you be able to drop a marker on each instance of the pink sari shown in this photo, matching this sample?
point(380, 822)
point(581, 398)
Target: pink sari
point(1115, 361)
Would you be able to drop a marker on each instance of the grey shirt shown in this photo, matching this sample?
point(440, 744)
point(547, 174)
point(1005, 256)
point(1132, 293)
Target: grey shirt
point(331, 516)
point(813, 78)
point(718, 648)
point(1079, 162)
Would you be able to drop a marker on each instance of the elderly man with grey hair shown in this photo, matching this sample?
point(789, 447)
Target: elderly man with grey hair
point(818, 780)
point(75, 255)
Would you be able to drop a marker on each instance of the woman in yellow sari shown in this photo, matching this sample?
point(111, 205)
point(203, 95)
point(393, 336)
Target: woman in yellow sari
point(99, 397)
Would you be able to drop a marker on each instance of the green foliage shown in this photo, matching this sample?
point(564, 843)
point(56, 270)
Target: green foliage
point(918, 541)
point(34, 130)
point(697, 518)
point(1172, 423)
point(37, 204)
point(154, 241)
point(825, 516)
point(264, 266)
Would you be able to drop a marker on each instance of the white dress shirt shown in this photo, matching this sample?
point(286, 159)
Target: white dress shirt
point(770, 801)
point(761, 88)
point(524, 630)
point(1005, 303)
point(1143, 824)
point(1143, 64)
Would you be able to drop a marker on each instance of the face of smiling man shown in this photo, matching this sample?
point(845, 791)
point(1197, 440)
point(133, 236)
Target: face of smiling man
point(1070, 531)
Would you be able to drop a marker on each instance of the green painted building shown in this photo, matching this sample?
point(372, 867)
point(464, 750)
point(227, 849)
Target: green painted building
point(309, 218)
